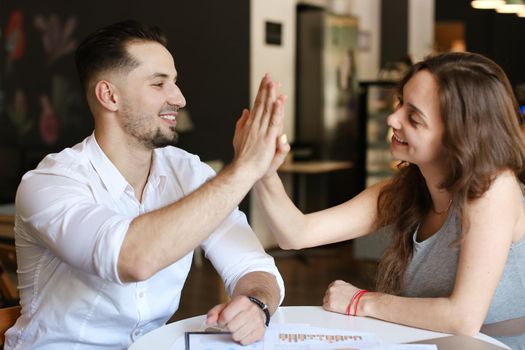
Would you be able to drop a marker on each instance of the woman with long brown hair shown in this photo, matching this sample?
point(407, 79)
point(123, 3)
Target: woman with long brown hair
point(455, 208)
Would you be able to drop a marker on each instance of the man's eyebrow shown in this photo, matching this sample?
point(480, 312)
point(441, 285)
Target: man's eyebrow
point(417, 110)
point(160, 75)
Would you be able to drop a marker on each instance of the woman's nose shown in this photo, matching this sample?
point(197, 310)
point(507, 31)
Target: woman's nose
point(394, 119)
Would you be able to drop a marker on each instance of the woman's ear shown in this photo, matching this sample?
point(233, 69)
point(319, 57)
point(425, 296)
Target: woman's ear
point(106, 94)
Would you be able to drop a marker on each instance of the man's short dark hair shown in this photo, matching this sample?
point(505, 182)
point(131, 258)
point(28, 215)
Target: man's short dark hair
point(105, 48)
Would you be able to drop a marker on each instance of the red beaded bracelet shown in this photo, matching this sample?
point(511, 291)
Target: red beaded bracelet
point(357, 298)
point(356, 295)
point(350, 304)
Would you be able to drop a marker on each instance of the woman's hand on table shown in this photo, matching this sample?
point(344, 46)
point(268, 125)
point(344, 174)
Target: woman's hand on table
point(241, 317)
point(338, 296)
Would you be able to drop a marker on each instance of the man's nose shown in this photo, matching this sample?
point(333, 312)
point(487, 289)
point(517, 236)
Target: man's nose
point(176, 97)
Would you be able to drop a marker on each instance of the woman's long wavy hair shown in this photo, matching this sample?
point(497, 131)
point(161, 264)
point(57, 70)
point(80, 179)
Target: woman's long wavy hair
point(482, 137)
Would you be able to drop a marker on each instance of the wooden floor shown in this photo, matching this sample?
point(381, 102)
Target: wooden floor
point(306, 275)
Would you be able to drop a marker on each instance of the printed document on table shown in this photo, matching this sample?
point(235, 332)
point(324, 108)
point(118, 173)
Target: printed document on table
point(314, 338)
point(290, 337)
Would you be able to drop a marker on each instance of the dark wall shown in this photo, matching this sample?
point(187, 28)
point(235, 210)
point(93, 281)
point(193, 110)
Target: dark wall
point(498, 36)
point(394, 30)
point(42, 109)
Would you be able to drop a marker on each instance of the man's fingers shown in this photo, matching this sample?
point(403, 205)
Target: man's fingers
point(268, 105)
point(241, 331)
point(252, 336)
point(212, 317)
point(256, 132)
point(244, 321)
point(241, 122)
point(260, 100)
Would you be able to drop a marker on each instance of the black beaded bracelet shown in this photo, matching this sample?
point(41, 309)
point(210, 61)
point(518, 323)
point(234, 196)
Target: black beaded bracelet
point(263, 307)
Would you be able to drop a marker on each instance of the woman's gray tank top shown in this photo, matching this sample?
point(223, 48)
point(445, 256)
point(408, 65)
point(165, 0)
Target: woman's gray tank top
point(432, 273)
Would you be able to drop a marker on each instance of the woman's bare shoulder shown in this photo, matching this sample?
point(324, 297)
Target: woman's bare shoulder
point(503, 198)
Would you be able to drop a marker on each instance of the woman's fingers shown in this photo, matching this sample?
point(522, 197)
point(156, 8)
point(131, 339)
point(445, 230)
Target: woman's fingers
point(276, 118)
point(282, 151)
point(283, 140)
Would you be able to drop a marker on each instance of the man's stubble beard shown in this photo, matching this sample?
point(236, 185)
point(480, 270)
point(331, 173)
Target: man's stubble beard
point(136, 126)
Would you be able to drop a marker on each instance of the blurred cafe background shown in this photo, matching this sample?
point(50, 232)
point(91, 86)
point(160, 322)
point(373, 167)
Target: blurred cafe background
point(338, 61)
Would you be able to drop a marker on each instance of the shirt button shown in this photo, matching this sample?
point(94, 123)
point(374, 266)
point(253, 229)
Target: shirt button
point(136, 333)
point(141, 295)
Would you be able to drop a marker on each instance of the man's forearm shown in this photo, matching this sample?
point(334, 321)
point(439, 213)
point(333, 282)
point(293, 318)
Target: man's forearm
point(161, 237)
point(261, 285)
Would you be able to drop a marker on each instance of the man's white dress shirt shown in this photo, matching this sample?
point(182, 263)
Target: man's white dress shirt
point(72, 214)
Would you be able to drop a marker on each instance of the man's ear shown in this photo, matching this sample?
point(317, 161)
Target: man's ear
point(106, 94)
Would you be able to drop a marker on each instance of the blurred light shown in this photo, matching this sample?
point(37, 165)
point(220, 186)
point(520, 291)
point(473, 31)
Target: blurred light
point(184, 122)
point(486, 4)
point(511, 6)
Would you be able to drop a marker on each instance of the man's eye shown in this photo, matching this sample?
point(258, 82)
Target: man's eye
point(159, 84)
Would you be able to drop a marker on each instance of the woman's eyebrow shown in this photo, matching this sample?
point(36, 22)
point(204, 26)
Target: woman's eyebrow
point(419, 111)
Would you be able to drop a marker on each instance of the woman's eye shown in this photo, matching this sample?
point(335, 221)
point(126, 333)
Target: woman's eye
point(412, 119)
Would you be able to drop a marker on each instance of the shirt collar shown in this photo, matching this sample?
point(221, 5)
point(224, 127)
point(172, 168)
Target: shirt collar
point(113, 180)
point(158, 173)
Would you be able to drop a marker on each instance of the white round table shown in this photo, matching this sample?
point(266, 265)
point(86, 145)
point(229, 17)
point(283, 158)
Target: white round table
point(165, 337)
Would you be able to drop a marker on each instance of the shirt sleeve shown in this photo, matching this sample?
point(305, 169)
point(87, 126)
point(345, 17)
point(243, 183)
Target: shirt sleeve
point(62, 215)
point(234, 251)
point(233, 248)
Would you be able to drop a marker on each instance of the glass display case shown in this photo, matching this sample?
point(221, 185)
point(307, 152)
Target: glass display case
point(377, 101)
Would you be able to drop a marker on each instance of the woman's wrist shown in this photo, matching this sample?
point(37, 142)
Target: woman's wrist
point(352, 308)
point(269, 177)
point(267, 181)
point(367, 303)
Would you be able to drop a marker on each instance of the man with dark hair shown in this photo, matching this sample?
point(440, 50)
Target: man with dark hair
point(105, 230)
